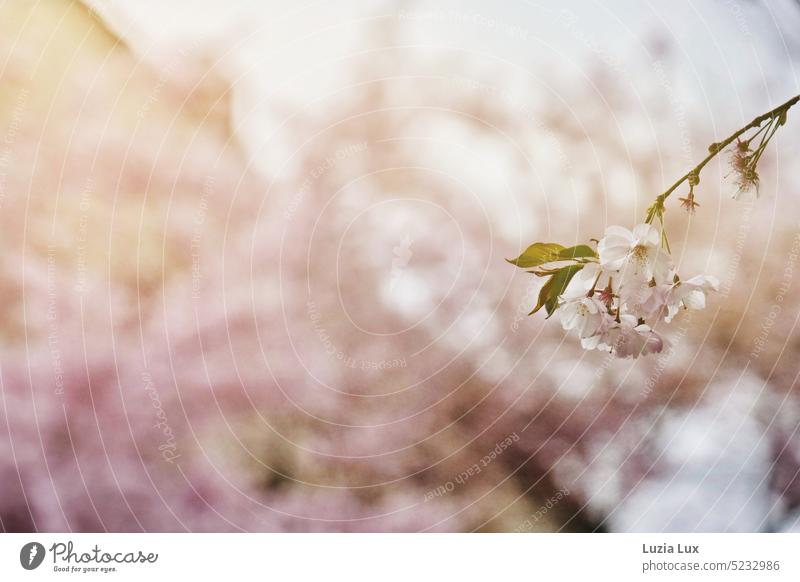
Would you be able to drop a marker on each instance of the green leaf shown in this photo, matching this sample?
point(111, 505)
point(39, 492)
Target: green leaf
point(555, 286)
point(537, 254)
point(577, 252)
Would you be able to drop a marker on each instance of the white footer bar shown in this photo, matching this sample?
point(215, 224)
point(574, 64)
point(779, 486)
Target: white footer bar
point(401, 557)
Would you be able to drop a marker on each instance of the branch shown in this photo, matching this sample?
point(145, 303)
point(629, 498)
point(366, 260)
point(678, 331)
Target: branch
point(693, 175)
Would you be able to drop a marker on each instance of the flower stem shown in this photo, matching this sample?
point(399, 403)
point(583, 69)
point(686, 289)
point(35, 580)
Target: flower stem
point(716, 148)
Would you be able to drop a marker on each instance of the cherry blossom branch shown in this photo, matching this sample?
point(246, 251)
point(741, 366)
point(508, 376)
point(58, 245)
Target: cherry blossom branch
point(776, 117)
point(639, 286)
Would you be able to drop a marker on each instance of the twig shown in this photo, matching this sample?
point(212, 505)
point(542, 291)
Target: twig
point(716, 148)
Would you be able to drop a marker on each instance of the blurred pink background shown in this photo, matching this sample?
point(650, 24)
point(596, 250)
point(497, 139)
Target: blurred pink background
point(253, 271)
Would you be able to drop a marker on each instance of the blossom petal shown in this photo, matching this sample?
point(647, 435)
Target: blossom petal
point(695, 299)
point(623, 233)
point(647, 233)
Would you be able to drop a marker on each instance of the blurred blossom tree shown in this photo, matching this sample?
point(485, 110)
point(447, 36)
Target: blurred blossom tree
point(190, 344)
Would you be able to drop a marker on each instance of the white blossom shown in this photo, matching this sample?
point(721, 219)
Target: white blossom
point(630, 339)
point(588, 278)
point(636, 255)
point(586, 315)
point(614, 299)
point(690, 294)
point(649, 302)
